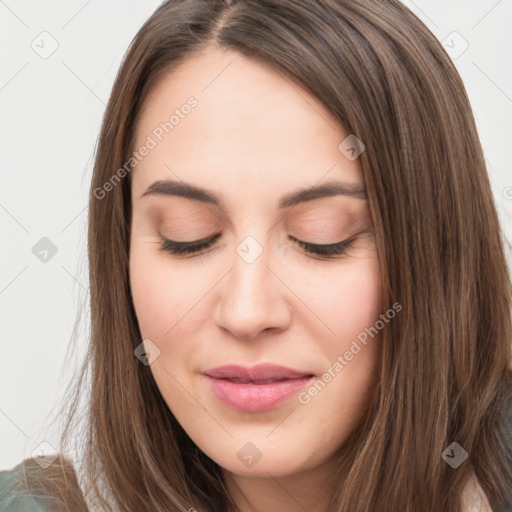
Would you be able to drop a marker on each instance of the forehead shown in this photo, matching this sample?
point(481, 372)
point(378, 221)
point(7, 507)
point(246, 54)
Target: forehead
point(250, 126)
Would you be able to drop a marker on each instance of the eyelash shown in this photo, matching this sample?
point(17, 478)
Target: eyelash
point(329, 251)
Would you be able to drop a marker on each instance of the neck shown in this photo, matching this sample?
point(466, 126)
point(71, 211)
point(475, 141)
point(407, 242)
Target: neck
point(308, 490)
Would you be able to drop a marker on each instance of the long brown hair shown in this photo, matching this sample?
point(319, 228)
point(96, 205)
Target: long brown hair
point(446, 366)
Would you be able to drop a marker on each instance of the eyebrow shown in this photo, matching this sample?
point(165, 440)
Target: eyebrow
point(182, 189)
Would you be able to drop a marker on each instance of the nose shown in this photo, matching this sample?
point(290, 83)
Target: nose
point(253, 299)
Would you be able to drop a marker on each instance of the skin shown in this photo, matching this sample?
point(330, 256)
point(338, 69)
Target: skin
point(254, 137)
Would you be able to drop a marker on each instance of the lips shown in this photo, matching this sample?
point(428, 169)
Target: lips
point(256, 374)
point(255, 389)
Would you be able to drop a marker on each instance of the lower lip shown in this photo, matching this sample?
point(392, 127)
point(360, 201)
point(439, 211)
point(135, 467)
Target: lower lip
point(256, 397)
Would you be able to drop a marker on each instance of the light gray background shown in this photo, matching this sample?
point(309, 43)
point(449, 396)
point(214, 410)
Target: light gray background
point(51, 110)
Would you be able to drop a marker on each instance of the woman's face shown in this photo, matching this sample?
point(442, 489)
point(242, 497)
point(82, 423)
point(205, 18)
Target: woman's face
point(252, 139)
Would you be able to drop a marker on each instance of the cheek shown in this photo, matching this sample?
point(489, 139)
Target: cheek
point(346, 300)
point(159, 293)
point(172, 306)
point(349, 304)
point(358, 297)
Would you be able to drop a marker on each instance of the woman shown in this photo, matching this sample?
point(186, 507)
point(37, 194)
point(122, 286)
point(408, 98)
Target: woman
point(299, 294)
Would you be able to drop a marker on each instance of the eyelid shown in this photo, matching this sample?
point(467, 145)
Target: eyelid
point(187, 247)
point(321, 251)
point(327, 251)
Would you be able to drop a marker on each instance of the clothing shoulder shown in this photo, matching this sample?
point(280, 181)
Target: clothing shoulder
point(32, 486)
point(13, 499)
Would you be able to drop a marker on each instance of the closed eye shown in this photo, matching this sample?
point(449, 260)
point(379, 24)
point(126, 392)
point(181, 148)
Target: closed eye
point(328, 251)
point(182, 248)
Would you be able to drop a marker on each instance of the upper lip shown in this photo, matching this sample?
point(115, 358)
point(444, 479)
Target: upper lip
point(256, 373)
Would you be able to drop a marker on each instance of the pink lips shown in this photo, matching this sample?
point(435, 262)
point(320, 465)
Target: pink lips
point(260, 388)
